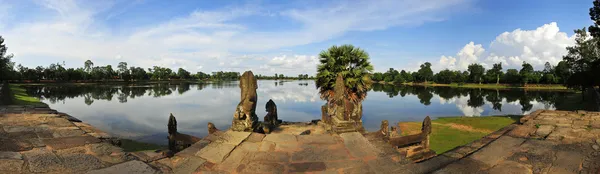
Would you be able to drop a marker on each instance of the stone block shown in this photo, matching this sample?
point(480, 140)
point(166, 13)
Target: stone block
point(215, 152)
point(59, 133)
point(287, 147)
point(68, 142)
point(235, 158)
point(249, 147)
point(544, 130)
point(319, 153)
point(269, 156)
point(510, 167)
point(280, 138)
point(131, 167)
point(81, 162)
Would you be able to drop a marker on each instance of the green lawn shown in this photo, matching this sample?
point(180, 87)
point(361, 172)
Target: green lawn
point(20, 97)
point(450, 132)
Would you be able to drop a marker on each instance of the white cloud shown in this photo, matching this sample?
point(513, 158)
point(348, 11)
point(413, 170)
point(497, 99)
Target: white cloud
point(74, 31)
point(544, 44)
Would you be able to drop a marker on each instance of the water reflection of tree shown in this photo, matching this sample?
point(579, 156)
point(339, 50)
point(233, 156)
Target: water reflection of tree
point(90, 93)
point(478, 97)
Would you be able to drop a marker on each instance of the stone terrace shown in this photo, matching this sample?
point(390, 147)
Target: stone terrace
point(41, 140)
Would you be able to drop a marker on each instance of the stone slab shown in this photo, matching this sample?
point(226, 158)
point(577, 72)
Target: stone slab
point(307, 167)
point(43, 160)
point(189, 165)
point(544, 130)
point(510, 167)
point(59, 133)
point(235, 158)
point(358, 145)
point(81, 162)
point(255, 167)
point(317, 139)
point(320, 153)
point(255, 137)
point(68, 142)
point(280, 138)
point(131, 167)
point(215, 152)
point(11, 155)
point(269, 156)
point(232, 137)
point(497, 150)
point(194, 148)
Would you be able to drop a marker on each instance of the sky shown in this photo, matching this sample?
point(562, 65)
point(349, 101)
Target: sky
point(286, 37)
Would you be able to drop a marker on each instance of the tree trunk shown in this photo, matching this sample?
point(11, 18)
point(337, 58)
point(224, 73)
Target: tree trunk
point(497, 79)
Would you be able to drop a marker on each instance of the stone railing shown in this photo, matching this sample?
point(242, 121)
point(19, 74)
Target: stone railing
point(415, 147)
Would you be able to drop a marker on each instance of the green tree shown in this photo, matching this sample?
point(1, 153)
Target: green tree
point(583, 60)
point(406, 76)
point(445, 76)
point(512, 76)
point(562, 72)
point(183, 74)
point(526, 73)
point(425, 73)
point(495, 73)
point(476, 73)
point(350, 62)
point(6, 65)
point(377, 76)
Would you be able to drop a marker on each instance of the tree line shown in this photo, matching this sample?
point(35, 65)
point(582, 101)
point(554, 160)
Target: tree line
point(476, 73)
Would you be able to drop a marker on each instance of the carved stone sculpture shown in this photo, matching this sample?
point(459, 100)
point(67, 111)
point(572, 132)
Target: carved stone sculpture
point(271, 117)
point(385, 129)
point(172, 129)
point(178, 141)
point(244, 118)
point(342, 113)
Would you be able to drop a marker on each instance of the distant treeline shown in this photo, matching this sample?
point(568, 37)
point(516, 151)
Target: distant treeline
point(476, 73)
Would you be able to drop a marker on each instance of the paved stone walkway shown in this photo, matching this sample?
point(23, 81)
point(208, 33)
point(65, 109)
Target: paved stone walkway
point(547, 142)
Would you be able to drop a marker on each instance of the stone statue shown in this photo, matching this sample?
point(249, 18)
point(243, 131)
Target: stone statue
point(271, 117)
point(244, 118)
point(385, 129)
point(178, 141)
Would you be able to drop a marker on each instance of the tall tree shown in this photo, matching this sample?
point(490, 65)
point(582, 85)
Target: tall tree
point(583, 60)
point(526, 73)
point(495, 73)
point(562, 72)
point(425, 73)
point(6, 65)
point(476, 72)
point(350, 62)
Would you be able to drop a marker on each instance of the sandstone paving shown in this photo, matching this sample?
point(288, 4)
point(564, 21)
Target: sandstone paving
point(131, 167)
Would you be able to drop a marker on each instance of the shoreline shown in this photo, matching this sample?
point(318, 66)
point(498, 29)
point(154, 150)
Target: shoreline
point(485, 86)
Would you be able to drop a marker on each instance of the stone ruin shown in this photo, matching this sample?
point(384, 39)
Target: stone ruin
point(178, 141)
point(244, 118)
point(341, 114)
point(416, 147)
point(270, 120)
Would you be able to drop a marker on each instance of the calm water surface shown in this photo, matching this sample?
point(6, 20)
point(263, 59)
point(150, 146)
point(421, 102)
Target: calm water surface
point(141, 112)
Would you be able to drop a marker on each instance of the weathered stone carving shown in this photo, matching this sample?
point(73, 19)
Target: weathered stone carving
point(244, 118)
point(271, 117)
point(342, 113)
point(385, 129)
point(178, 141)
point(211, 128)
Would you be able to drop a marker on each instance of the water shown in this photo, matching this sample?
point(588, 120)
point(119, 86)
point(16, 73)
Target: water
point(140, 112)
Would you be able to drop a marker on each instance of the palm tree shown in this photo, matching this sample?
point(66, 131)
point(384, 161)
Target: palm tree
point(352, 63)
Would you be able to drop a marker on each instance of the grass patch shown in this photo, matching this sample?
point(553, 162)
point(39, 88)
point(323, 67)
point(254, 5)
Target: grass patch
point(449, 132)
point(133, 146)
point(20, 96)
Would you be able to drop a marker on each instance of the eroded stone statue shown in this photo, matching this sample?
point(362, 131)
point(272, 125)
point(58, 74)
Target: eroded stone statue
point(244, 118)
point(211, 128)
point(178, 141)
point(271, 117)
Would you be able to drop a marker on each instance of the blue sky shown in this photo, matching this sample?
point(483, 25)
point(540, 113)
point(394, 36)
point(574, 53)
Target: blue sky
point(286, 36)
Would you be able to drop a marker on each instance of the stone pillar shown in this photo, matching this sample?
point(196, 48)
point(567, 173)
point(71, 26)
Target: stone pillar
point(244, 118)
point(172, 128)
point(426, 131)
